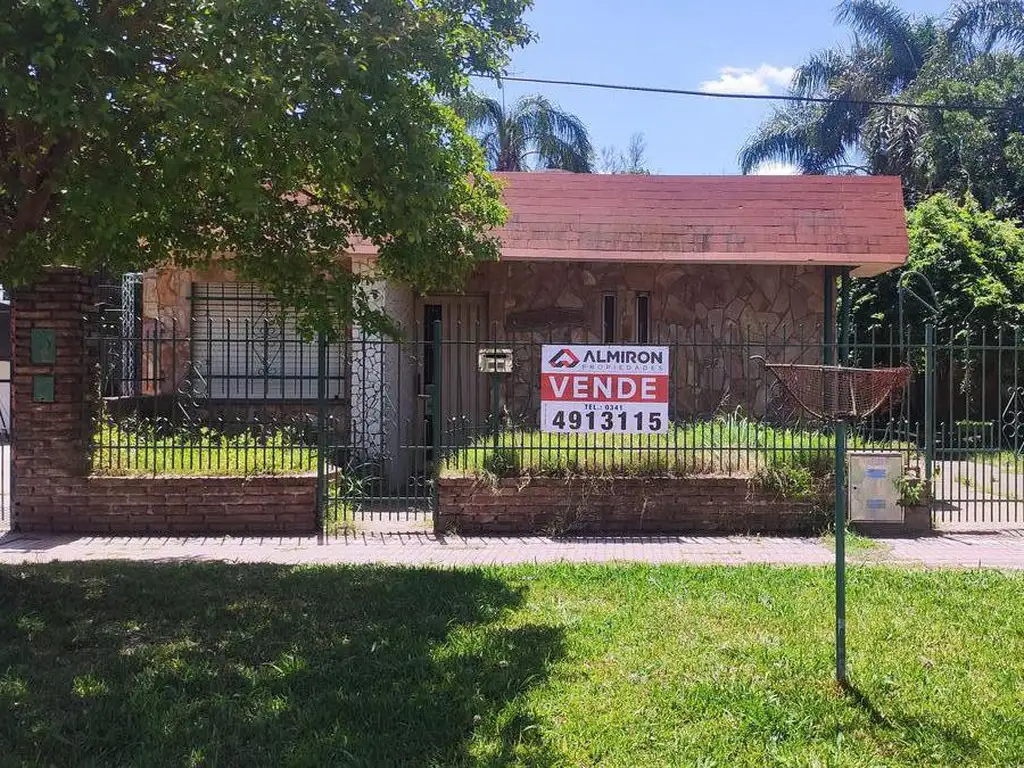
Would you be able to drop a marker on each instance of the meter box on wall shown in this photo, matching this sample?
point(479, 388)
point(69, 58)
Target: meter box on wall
point(874, 494)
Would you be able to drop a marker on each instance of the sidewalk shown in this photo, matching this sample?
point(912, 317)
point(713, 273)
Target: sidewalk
point(1000, 548)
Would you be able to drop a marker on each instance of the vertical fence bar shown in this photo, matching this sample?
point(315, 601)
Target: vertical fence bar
point(929, 404)
point(840, 429)
point(321, 430)
point(436, 415)
point(840, 471)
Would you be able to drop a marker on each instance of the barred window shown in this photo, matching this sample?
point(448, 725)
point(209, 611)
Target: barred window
point(244, 347)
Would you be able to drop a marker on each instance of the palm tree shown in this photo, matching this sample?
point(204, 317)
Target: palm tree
point(890, 52)
point(532, 134)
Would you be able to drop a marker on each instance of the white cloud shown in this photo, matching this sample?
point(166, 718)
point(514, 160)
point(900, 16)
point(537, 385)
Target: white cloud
point(775, 168)
point(745, 80)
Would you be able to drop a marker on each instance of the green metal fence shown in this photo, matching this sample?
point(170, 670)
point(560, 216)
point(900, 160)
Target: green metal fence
point(378, 420)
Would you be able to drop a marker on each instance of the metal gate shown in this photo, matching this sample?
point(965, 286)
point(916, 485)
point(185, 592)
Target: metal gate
point(978, 408)
point(411, 402)
point(6, 469)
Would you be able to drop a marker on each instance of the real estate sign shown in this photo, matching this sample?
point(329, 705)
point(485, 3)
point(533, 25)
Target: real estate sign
point(610, 389)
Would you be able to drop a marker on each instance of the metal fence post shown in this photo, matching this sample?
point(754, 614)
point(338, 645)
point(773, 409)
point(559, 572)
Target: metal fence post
point(841, 552)
point(321, 430)
point(435, 410)
point(929, 404)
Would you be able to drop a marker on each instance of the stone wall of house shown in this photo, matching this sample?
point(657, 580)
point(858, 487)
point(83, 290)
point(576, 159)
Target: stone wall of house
point(714, 318)
point(166, 329)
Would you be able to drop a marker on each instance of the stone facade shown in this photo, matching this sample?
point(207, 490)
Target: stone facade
point(689, 302)
point(714, 318)
point(557, 506)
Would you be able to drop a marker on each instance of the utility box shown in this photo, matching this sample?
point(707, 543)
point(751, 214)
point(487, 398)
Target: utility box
point(874, 490)
point(494, 360)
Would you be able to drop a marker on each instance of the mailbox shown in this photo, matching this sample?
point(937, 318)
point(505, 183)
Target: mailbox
point(43, 349)
point(494, 360)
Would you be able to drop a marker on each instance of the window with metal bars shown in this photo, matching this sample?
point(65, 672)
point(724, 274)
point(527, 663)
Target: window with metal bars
point(243, 347)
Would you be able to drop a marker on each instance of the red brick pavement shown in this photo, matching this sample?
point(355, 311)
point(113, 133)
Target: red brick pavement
point(1002, 549)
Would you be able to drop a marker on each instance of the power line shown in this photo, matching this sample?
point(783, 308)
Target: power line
point(767, 97)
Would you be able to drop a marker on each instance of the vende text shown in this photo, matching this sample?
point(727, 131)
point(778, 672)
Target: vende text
point(591, 387)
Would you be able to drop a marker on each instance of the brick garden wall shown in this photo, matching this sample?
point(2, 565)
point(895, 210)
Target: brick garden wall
point(53, 490)
point(175, 505)
point(519, 506)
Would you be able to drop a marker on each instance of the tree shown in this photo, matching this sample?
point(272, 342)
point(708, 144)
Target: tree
point(266, 134)
point(980, 153)
point(632, 160)
point(973, 259)
point(891, 53)
point(532, 134)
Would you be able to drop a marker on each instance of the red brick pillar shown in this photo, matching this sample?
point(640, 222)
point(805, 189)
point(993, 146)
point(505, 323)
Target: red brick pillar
point(52, 398)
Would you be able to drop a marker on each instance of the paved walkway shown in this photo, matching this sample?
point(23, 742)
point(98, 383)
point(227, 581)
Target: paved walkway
point(1002, 548)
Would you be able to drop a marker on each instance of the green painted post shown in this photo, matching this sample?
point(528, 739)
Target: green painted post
point(929, 404)
point(321, 430)
point(435, 410)
point(495, 406)
point(841, 677)
point(841, 495)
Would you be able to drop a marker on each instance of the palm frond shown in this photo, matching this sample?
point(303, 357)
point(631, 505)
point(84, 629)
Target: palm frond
point(881, 22)
point(813, 77)
point(559, 139)
point(785, 137)
point(531, 132)
point(977, 26)
point(893, 140)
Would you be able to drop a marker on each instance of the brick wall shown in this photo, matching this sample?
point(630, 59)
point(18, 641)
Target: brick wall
point(518, 506)
point(50, 442)
point(53, 490)
point(178, 505)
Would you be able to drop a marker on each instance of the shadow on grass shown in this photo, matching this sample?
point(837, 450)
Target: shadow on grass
point(211, 664)
point(923, 730)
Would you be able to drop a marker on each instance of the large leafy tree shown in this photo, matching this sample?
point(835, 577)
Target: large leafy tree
point(981, 152)
point(270, 134)
point(890, 54)
point(973, 260)
point(532, 133)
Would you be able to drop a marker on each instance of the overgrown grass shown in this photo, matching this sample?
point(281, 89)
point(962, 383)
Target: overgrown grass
point(729, 445)
point(119, 450)
point(222, 665)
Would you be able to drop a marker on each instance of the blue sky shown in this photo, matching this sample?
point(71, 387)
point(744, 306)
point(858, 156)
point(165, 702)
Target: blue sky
point(738, 44)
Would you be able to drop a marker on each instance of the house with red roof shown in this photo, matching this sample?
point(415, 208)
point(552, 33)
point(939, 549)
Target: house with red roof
point(707, 264)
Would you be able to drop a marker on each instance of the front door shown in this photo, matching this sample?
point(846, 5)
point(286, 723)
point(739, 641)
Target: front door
point(463, 390)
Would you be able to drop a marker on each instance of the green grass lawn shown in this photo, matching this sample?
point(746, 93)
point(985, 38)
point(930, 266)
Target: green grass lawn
point(207, 664)
point(732, 445)
point(121, 451)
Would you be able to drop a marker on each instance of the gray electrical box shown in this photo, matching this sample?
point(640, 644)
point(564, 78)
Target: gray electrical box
point(874, 493)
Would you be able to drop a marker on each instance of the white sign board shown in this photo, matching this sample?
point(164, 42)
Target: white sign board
point(604, 389)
